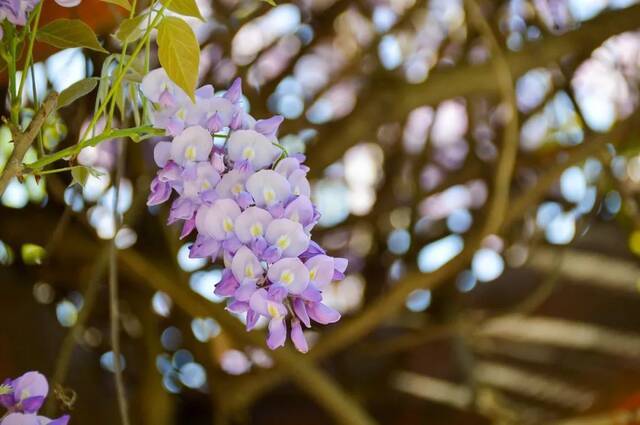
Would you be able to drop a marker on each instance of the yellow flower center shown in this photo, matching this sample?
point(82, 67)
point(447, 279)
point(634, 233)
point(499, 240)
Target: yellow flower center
point(283, 242)
point(248, 271)
point(190, 153)
point(248, 153)
point(227, 224)
point(237, 188)
point(273, 310)
point(287, 277)
point(269, 195)
point(256, 230)
point(5, 389)
point(313, 273)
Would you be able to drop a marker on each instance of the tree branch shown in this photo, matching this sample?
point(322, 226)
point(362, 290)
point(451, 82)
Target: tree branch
point(387, 305)
point(309, 378)
point(395, 98)
point(22, 141)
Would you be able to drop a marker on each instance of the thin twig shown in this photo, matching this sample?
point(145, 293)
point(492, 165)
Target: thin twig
point(66, 349)
point(23, 140)
point(386, 306)
point(507, 160)
point(113, 297)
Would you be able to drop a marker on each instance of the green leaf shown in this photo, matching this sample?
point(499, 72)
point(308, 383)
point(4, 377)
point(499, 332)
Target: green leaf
point(32, 254)
point(76, 90)
point(65, 33)
point(184, 7)
point(80, 175)
point(130, 29)
point(179, 53)
point(122, 3)
point(271, 2)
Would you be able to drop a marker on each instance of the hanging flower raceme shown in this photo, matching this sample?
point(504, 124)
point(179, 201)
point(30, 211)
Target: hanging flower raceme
point(249, 203)
point(23, 397)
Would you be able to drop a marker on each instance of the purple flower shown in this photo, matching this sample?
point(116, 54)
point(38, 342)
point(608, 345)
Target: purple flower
point(291, 274)
point(248, 147)
point(247, 270)
point(268, 188)
point(203, 179)
point(15, 11)
point(301, 211)
point(23, 397)
point(30, 419)
point(193, 144)
point(216, 220)
point(232, 185)
point(269, 306)
point(160, 192)
point(251, 224)
point(26, 393)
point(287, 237)
point(322, 269)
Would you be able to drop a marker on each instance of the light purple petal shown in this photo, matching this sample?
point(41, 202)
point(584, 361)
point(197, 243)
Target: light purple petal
point(297, 336)
point(245, 291)
point(216, 220)
point(322, 313)
point(193, 144)
point(299, 183)
point(245, 265)
point(320, 270)
point(269, 127)
point(232, 184)
point(237, 307)
point(20, 419)
point(227, 285)
point(161, 153)
point(300, 309)
point(288, 236)
point(31, 384)
point(62, 420)
point(268, 188)
point(234, 93)
point(300, 210)
point(253, 147)
point(252, 224)
point(204, 247)
point(277, 333)
point(290, 273)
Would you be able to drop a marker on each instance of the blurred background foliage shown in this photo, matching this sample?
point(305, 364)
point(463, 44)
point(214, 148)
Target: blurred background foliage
point(479, 165)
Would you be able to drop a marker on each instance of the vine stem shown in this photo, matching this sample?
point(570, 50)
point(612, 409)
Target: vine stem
point(23, 140)
point(123, 70)
point(113, 297)
point(145, 130)
point(32, 39)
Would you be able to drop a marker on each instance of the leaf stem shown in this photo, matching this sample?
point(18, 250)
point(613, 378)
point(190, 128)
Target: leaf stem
point(32, 39)
point(123, 71)
point(146, 131)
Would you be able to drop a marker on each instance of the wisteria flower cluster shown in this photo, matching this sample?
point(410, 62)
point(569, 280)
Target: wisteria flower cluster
point(249, 203)
point(23, 397)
